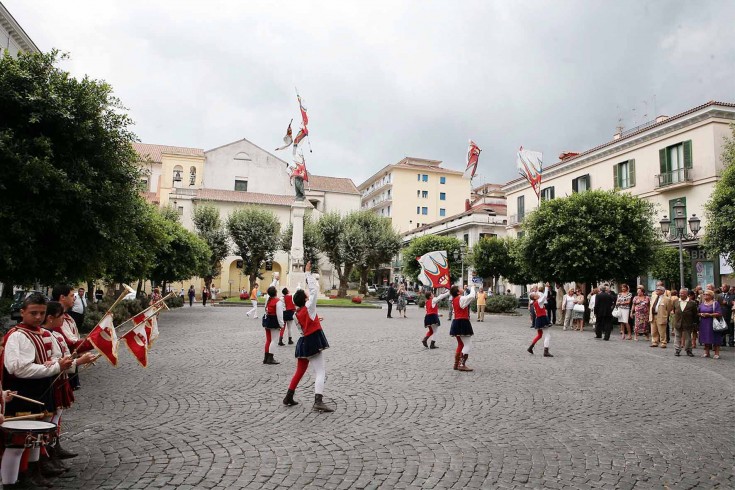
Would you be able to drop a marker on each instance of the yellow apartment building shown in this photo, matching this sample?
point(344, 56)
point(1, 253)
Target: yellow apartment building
point(415, 192)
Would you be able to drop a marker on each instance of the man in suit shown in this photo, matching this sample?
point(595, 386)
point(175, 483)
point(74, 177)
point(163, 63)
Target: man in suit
point(604, 304)
point(726, 303)
point(560, 292)
point(685, 319)
point(660, 308)
point(551, 306)
point(390, 298)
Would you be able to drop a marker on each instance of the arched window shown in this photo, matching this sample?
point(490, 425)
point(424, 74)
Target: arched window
point(178, 175)
point(192, 176)
point(242, 156)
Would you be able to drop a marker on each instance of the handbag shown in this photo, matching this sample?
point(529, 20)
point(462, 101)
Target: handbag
point(616, 313)
point(578, 308)
point(718, 325)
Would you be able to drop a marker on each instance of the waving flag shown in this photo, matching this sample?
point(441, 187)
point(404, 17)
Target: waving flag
point(104, 338)
point(288, 139)
point(303, 133)
point(151, 330)
point(302, 108)
point(299, 169)
point(137, 342)
point(473, 156)
point(434, 269)
point(529, 165)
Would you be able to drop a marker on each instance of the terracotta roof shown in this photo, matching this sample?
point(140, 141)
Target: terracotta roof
point(633, 133)
point(156, 151)
point(243, 197)
point(332, 184)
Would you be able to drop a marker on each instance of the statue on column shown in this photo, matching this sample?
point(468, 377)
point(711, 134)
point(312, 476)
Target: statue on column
point(299, 175)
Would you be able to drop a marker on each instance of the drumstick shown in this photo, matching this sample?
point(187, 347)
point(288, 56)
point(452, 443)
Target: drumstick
point(27, 417)
point(28, 399)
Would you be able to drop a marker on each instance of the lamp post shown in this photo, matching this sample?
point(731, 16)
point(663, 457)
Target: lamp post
point(678, 232)
point(459, 255)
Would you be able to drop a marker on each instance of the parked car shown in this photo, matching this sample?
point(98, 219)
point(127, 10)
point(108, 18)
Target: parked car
point(411, 297)
point(523, 301)
point(372, 289)
point(18, 298)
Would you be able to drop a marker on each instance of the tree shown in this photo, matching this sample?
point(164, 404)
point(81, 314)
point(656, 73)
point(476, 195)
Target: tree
point(69, 173)
point(519, 272)
point(665, 266)
point(210, 228)
point(332, 241)
point(719, 237)
point(256, 234)
point(428, 243)
point(183, 254)
point(491, 257)
point(311, 241)
point(589, 236)
point(371, 241)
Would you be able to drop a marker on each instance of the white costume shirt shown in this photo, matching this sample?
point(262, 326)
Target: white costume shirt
point(436, 299)
point(313, 286)
point(20, 359)
point(464, 301)
point(69, 328)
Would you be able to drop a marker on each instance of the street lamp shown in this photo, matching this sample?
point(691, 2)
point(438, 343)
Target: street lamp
point(460, 255)
point(678, 232)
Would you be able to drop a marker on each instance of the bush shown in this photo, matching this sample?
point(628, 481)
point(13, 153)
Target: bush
point(121, 312)
point(5, 304)
point(421, 302)
point(175, 302)
point(357, 300)
point(501, 303)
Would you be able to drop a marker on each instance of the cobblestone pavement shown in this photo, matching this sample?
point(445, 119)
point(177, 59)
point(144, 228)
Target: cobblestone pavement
point(207, 413)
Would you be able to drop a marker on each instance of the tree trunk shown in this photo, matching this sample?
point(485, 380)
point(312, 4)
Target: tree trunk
point(90, 292)
point(253, 280)
point(363, 281)
point(208, 281)
point(343, 278)
point(139, 288)
point(7, 288)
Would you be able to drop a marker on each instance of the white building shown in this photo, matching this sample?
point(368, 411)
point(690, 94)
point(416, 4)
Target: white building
point(669, 159)
point(12, 36)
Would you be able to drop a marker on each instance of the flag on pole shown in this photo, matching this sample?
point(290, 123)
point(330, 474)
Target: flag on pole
point(303, 133)
point(137, 342)
point(144, 315)
point(288, 139)
point(104, 338)
point(299, 169)
point(302, 108)
point(434, 269)
point(473, 156)
point(529, 165)
point(151, 330)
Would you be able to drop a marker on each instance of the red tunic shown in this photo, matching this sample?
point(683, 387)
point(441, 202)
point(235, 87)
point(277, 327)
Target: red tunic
point(459, 312)
point(288, 299)
point(270, 306)
point(538, 309)
point(72, 345)
point(431, 309)
point(308, 326)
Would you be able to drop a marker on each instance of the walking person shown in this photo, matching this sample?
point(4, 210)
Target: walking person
point(254, 302)
point(310, 345)
point(708, 310)
point(192, 294)
point(568, 305)
point(542, 323)
point(431, 319)
point(401, 302)
point(461, 328)
point(272, 322)
point(481, 302)
point(390, 298)
point(623, 304)
point(205, 295)
point(288, 313)
point(604, 302)
point(551, 306)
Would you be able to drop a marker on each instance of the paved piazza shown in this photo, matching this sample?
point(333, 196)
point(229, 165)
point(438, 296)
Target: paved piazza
point(207, 413)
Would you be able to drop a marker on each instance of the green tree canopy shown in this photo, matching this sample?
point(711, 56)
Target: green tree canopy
point(519, 272)
point(69, 175)
point(331, 228)
point(183, 254)
point(665, 266)
point(719, 238)
point(311, 241)
point(589, 236)
point(491, 258)
point(256, 234)
point(370, 242)
point(428, 243)
point(210, 228)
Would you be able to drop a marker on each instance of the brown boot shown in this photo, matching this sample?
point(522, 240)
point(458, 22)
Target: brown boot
point(457, 357)
point(463, 365)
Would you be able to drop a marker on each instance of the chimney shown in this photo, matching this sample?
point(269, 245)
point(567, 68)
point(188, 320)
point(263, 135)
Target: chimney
point(661, 118)
point(618, 133)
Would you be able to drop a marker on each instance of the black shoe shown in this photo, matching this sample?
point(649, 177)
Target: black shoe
point(35, 476)
point(280, 342)
point(547, 353)
point(530, 349)
point(48, 469)
point(271, 360)
point(62, 453)
point(265, 358)
point(289, 401)
point(423, 341)
point(689, 353)
point(290, 341)
point(678, 353)
point(433, 345)
point(319, 405)
point(389, 316)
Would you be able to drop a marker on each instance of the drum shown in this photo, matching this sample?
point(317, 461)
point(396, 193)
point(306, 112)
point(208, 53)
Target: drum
point(27, 433)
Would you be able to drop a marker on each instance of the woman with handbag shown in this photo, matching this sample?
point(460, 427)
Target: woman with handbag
point(569, 301)
point(622, 306)
point(641, 307)
point(578, 311)
point(709, 315)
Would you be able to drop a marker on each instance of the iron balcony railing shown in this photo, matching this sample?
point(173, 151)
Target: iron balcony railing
point(678, 176)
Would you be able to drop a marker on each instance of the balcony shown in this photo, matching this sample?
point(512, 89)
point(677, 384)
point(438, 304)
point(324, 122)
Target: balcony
point(677, 178)
point(515, 219)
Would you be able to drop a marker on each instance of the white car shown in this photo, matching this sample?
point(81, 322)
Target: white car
point(372, 289)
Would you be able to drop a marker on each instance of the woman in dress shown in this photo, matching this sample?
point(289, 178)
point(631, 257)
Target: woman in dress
point(591, 301)
point(623, 304)
point(401, 303)
point(641, 306)
point(578, 316)
point(708, 310)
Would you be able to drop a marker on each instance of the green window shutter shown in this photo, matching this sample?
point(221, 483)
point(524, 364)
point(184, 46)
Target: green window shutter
point(575, 185)
point(616, 176)
point(688, 154)
point(552, 192)
point(589, 182)
point(631, 173)
point(662, 160)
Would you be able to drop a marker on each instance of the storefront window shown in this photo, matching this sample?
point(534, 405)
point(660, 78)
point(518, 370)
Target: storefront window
point(705, 272)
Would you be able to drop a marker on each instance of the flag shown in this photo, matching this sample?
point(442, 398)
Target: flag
point(529, 165)
point(473, 156)
point(303, 133)
point(288, 139)
point(434, 269)
point(137, 342)
point(104, 338)
point(151, 330)
point(144, 315)
point(302, 108)
point(299, 169)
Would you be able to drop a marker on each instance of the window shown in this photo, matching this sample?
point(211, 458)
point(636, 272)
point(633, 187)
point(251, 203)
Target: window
point(242, 156)
point(241, 185)
point(418, 193)
point(424, 210)
point(388, 213)
point(520, 234)
point(547, 193)
point(418, 209)
point(181, 210)
point(674, 161)
point(466, 238)
point(442, 180)
point(488, 235)
point(178, 175)
point(419, 177)
point(624, 174)
point(581, 184)
point(425, 194)
point(521, 207)
point(442, 196)
point(442, 212)
point(424, 178)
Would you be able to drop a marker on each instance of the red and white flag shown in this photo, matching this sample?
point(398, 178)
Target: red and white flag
point(137, 342)
point(303, 133)
point(473, 157)
point(288, 139)
point(302, 108)
point(144, 315)
point(151, 330)
point(530, 166)
point(104, 338)
point(434, 269)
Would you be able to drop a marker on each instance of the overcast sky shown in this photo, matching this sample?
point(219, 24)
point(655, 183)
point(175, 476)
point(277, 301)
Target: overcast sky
point(396, 78)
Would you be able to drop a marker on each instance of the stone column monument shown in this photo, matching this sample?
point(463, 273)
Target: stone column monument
point(296, 276)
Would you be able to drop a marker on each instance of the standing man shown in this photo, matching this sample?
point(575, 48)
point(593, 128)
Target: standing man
point(79, 308)
point(604, 303)
point(660, 308)
point(390, 298)
point(481, 301)
point(686, 316)
point(560, 292)
point(726, 303)
point(551, 306)
point(64, 294)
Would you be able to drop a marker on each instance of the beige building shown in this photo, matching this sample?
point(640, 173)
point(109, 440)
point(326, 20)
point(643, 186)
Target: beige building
point(669, 159)
point(415, 192)
point(233, 176)
point(12, 36)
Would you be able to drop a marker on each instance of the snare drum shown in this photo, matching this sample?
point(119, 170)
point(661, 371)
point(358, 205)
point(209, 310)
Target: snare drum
point(27, 433)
